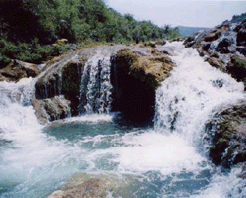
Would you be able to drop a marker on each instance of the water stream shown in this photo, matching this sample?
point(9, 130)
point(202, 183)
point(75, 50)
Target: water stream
point(95, 93)
point(167, 160)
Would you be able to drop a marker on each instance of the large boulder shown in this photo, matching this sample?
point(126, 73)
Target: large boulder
point(57, 89)
point(237, 68)
point(228, 132)
point(135, 80)
point(51, 109)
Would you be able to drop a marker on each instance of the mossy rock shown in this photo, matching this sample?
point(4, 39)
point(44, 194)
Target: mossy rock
point(71, 79)
point(237, 68)
point(17, 70)
point(229, 136)
point(138, 76)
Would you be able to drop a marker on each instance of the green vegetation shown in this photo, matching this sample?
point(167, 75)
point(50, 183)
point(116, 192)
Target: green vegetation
point(29, 52)
point(28, 26)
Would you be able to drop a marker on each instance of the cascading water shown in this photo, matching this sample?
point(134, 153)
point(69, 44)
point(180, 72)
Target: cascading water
point(226, 43)
point(168, 160)
point(186, 100)
point(95, 94)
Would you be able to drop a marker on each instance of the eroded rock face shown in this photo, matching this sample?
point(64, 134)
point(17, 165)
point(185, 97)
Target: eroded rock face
point(57, 89)
point(135, 74)
point(228, 132)
point(18, 69)
point(135, 80)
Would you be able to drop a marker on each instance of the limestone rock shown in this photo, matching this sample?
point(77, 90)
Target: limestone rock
point(215, 62)
point(212, 36)
point(241, 34)
point(57, 90)
point(237, 68)
point(228, 131)
point(18, 69)
point(51, 109)
point(137, 78)
point(92, 186)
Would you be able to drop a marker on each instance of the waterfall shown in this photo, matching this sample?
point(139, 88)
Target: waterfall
point(187, 99)
point(17, 115)
point(226, 43)
point(168, 160)
point(95, 88)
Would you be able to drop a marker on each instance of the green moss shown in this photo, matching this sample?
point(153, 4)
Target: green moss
point(240, 63)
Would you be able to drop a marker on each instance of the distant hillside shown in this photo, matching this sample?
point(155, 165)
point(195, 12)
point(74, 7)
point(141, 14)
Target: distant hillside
point(187, 31)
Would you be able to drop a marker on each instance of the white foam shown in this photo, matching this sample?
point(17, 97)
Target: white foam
point(186, 100)
point(93, 118)
point(157, 152)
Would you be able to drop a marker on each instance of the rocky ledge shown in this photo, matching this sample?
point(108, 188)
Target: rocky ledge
point(18, 69)
point(138, 75)
point(136, 71)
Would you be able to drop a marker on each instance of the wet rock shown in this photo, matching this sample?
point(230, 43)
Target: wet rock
point(205, 46)
point(237, 68)
point(228, 132)
point(61, 80)
point(93, 186)
point(223, 47)
point(89, 188)
point(212, 36)
point(179, 39)
point(71, 79)
point(137, 78)
point(18, 69)
point(215, 62)
point(241, 34)
point(51, 109)
point(241, 50)
point(190, 41)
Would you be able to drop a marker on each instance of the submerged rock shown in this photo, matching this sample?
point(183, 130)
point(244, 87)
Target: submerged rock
point(87, 185)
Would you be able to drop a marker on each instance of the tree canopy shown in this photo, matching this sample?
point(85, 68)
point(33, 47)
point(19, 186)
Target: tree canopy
point(75, 20)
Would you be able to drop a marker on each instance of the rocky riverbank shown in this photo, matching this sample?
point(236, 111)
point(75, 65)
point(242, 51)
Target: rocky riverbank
point(224, 47)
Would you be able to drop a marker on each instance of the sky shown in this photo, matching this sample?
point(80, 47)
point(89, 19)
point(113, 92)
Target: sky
point(195, 13)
